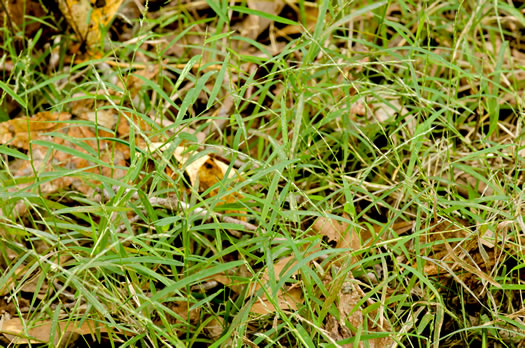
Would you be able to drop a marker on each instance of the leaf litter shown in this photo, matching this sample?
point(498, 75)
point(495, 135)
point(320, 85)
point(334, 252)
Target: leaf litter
point(97, 138)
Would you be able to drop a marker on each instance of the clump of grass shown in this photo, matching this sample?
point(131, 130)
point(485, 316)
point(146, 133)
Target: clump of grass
point(402, 120)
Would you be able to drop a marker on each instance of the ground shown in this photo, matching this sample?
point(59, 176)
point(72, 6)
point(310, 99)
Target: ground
point(262, 173)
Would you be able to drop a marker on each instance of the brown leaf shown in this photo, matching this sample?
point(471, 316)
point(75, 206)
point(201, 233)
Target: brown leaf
point(350, 294)
point(311, 19)
point(341, 232)
point(184, 315)
point(287, 300)
point(207, 171)
point(134, 82)
point(17, 10)
point(438, 232)
point(466, 181)
point(474, 270)
point(385, 111)
point(215, 327)
point(278, 268)
point(18, 131)
point(101, 12)
point(254, 25)
point(15, 331)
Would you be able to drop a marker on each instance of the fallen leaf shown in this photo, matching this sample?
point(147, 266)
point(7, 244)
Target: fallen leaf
point(133, 82)
point(17, 10)
point(465, 182)
point(88, 29)
point(235, 279)
point(284, 301)
point(15, 330)
point(384, 111)
point(18, 131)
point(352, 318)
point(183, 315)
point(287, 300)
point(357, 109)
point(207, 171)
point(443, 230)
point(25, 131)
point(215, 327)
point(254, 25)
point(387, 110)
point(311, 13)
point(339, 232)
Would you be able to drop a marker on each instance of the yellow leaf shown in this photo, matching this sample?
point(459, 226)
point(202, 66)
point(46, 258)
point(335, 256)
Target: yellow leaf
point(87, 17)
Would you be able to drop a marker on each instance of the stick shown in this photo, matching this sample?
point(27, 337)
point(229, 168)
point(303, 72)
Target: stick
point(173, 203)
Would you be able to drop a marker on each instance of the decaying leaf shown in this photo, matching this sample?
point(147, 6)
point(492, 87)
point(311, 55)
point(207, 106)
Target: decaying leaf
point(88, 29)
point(384, 111)
point(311, 13)
point(77, 147)
point(351, 318)
point(254, 25)
point(17, 10)
point(388, 109)
point(206, 171)
point(440, 231)
point(17, 132)
point(15, 330)
point(340, 232)
point(215, 327)
point(183, 315)
point(287, 300)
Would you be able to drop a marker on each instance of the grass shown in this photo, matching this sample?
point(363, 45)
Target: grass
point(401, 120)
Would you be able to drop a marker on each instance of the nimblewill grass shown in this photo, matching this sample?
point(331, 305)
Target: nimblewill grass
point(381, 116)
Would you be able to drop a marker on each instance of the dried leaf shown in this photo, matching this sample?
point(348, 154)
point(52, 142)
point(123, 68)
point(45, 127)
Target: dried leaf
point(471, 270)
point(215, 327)
point(349, 297)
point(385, 111)
point(14, 330)
point(357, 109)
point(101, 12)
point(18, 9)
point(134, 82)
point(254, 25)
point(236, 279)
point(342, 233)
point(439, 231)
point(339, 232)
point(311, 19)
point(181, 309)
point(287, 300)
point(207, 171)
point(17, 132)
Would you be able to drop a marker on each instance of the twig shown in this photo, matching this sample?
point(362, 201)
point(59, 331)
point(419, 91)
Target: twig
point(173, 203)
point(7, 66)
point(122, 227)
point(8, 15)
point(205, 286)
point(140, 65)
point(221, 115)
